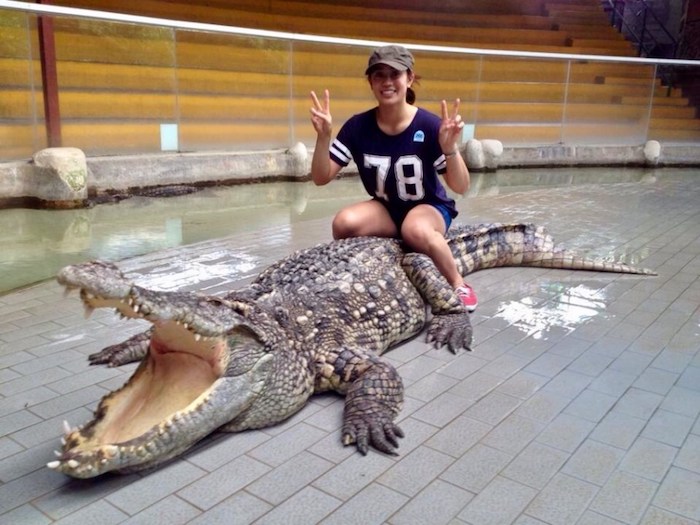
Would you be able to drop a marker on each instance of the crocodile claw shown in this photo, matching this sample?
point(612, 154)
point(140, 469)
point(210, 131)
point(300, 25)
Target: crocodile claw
point(453, 330)
point(133, 349)
point(370, 428)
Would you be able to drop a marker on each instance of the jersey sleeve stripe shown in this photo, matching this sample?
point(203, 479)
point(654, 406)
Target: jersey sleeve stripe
point(440, 164)
point(340, 153)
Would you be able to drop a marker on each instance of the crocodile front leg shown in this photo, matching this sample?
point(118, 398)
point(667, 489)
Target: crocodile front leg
point(133, 349)
point(450, 324)
point(373, 398)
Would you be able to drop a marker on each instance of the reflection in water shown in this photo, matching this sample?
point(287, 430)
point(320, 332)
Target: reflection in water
point(568, 308)
point(37, 243)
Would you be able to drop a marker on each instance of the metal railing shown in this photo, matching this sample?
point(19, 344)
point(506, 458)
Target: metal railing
point(46, 9)
point(641, 38)
point(570, 106)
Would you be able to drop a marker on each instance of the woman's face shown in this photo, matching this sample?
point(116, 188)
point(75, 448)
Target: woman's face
point(389, 85)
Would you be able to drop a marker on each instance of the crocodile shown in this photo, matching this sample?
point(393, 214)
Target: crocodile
point(318, 320)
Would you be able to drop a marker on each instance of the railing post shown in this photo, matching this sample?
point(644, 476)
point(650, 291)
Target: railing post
point(644, 28)
point(49, 78)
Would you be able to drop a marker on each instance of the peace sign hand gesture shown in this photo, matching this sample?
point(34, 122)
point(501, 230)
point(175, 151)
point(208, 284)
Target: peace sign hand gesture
point(321, 114)
point(450, 128)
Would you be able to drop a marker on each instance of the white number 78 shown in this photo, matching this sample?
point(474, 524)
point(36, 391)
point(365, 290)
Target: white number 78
point(403, 182)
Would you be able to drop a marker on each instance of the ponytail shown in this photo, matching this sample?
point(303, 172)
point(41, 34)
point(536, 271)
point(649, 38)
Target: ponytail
point(410, 93)
point(410, 96)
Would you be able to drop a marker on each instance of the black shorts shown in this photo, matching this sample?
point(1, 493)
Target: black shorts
point(398, 216)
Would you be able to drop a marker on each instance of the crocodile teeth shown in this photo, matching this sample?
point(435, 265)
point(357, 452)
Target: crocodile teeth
point(57, 453)
point(53, 464)
point(66, 427)
point(73, 463)
point(136, 308)
point(110, 450)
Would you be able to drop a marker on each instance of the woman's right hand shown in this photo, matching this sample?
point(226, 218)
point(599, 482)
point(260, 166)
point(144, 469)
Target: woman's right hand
point(321, 114)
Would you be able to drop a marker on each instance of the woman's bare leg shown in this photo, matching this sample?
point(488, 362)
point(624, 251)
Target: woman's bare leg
point(364, 218)
point(423, 230)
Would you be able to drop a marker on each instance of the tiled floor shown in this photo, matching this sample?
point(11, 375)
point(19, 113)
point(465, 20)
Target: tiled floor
point(578, 405)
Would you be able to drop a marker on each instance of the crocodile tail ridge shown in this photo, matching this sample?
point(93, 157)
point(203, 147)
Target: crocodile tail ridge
point(477, 247)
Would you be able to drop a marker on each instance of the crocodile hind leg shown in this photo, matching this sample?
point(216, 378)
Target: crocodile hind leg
point(133, 349)
point(373, 399)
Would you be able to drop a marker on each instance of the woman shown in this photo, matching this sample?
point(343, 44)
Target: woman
point(399, 150)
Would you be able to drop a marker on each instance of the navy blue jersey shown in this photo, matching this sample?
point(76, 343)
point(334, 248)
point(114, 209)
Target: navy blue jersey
point(401, 170)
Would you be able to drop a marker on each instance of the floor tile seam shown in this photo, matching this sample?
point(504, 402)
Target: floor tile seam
point(601, 484)
point(515, 458)
point(435, 477)
point(580, 444)
point(150, 505)
point(389, 521)
point(48, 516)
point(35, 332)
point(246, 488)
point(267, 441)
point(327, 493)
point(90, 405)
point(452, 457)
point(604, 415)
point(643, 511)
point(474, 400)
point(13, 440)
point(524, 507)
point(667, 511)
point(87, 504)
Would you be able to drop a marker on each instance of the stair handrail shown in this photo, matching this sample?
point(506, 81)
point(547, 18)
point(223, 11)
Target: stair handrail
point(639, 39)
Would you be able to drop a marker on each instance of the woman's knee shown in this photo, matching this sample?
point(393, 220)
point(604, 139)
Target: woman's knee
point(421, 236)
point(345, 224)
point(364, 218)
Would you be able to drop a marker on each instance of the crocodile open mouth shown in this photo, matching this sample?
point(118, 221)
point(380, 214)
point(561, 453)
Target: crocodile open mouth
point(171, 384)
point(177, 371)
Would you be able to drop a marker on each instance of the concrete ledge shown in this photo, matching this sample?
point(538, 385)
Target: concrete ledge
point(27, 184)
point(650, 154)
point(118, 174)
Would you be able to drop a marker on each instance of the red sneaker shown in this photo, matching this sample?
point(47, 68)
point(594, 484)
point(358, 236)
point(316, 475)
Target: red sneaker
point(467, 296)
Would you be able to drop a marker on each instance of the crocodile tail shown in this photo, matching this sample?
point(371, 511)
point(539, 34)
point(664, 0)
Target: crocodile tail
point(564, 259)
point(493, 245)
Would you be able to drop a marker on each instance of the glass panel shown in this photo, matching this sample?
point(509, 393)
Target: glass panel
point(233, 92)
point(340, 69)
point(21, 105)
point(116, 84)
point(521, 101)
point(608, 103)
point(449, 77)
point(125, 88)
point(674, 112)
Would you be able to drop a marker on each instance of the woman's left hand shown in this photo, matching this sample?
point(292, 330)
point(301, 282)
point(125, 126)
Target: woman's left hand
point(450, 128)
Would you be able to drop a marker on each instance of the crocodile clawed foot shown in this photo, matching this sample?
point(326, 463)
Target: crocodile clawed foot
point(133, 349)
point(453, 330)
point(372, 429)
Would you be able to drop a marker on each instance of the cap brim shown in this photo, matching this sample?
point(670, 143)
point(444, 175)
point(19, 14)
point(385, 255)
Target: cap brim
point(398, 66)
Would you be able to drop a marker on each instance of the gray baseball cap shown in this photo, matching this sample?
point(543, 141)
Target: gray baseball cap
point(394, 56)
